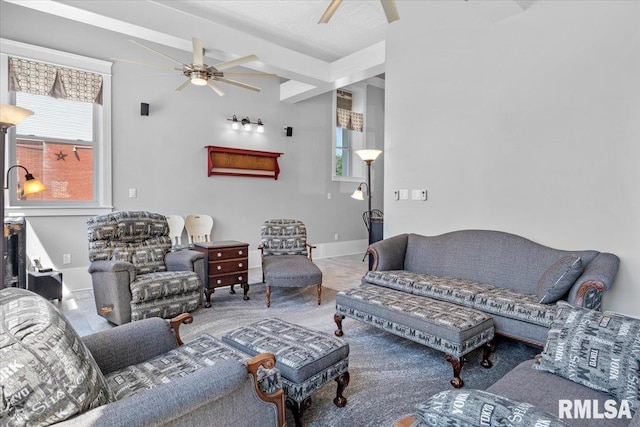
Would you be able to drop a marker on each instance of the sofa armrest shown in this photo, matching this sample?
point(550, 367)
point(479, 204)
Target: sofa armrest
point(596, 278)
point(262, 367)
point(131, 343)
point(167, 403)
point(389, 254)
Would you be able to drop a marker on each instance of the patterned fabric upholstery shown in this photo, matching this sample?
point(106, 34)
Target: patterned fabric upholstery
point(307, 359)
point(468, 408)
point(141, 239)
point(47, 374)
point(595, 349)
point(284, 237)
point(182, 361)
point(447, 327)
point(481, 296)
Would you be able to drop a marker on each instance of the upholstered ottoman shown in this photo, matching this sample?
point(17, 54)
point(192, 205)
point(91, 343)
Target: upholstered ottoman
point(450, 328)
point(307, 359)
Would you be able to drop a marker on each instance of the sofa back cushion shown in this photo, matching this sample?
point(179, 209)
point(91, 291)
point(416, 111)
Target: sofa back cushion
point(485, 256)
point(48, 375)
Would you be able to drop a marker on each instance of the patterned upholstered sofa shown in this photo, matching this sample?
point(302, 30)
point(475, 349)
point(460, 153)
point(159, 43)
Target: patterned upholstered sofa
point(138, 374)
point(134, 274)
point(513, 279)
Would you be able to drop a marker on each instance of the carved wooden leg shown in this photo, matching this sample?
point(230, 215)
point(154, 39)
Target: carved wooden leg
point(338, 319)
point(343, 381)
point(486, 352)
point(319, 293)
point(232, 291)
point(457, 364)
point(245, 287)
point(268, 296)
point(207, 294)
point(298, 408)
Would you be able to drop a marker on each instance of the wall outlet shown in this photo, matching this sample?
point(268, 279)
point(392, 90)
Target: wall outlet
point(133, 193)
point(396, 195)
point(328, 196)
point(336, 236)
point(66, 258)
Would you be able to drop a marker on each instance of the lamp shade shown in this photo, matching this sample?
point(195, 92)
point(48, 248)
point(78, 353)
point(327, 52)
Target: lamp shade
point(358, 194)
point(11, 115)
point(368, 155)
point(32, 185)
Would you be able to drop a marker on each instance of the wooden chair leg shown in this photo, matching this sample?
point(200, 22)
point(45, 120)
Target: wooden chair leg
point(486, 352)
point(457, 364)
point(338, 319)
point(268, 296)
point(343, 381)
point(319, 294)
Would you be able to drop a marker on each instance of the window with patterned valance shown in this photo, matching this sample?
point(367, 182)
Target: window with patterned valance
point(40, 78)
point(345, 117)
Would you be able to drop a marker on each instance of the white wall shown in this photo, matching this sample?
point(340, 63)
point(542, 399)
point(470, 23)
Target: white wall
point(530, 125)
point(164, 158)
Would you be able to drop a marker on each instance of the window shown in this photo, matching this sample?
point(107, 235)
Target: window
point(66, 143)
point(349, 135)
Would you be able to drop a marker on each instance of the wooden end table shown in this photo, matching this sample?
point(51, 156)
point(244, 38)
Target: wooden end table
point(226, 264)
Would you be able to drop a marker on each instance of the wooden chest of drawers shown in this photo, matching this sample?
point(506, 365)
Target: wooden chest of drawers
point(226, 264)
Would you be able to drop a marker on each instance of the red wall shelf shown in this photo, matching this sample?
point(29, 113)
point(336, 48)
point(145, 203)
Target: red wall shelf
point(239, 162)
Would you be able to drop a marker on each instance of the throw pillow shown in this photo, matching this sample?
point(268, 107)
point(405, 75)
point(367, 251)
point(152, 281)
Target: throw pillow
point(598, 350)
point(558, 279)
point(47, 375)
point(464, 408)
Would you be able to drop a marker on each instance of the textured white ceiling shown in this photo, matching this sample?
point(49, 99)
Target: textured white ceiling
point(293, 24)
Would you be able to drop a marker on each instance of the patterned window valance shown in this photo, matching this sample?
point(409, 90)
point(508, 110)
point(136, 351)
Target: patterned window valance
point(349, 119)
point(59, 82)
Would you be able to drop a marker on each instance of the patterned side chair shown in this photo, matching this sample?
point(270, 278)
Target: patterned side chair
point(134, 274)
point(286, 256)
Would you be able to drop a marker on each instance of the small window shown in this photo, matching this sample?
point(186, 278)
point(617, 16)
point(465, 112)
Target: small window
point(343, 152)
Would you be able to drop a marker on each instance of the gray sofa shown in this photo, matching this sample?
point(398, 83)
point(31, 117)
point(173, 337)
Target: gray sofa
point(590, 360)
point(491, 271)
point(131, 375)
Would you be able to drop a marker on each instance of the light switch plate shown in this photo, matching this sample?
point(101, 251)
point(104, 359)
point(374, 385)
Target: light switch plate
point(404, 194)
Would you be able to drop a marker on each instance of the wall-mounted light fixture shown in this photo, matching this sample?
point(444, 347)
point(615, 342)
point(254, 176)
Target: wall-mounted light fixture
point(30, 186)
point(246, 124)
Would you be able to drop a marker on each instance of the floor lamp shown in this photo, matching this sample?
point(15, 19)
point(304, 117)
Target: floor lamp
point(10, 115)
point(368, 156)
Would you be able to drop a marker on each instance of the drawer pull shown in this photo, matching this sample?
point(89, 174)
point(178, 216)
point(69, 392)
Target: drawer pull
point(240, 278)
point(240, 264)
point(239, 252)
point(219, 254)
point(219, 267)
point(219, 281)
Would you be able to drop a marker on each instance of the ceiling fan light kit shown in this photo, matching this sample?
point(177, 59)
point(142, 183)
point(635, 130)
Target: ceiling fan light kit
point(200, 74)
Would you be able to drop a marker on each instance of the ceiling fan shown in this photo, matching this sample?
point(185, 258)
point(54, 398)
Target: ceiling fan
point(201, 74)
point(389, 7)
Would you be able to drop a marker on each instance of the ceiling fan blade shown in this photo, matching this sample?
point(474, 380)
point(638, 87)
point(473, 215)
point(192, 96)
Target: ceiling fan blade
point(241, 74)
point(326, 16)
point(215, 88)
point(158, 52)
point(183, 85)
point(198, 51)
point(390, 10)
point(239, 84)
point(145, 63)
point(238, 61)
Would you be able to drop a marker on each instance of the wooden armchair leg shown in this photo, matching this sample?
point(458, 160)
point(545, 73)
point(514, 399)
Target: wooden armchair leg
point(268, 296)
point(319, 294)
point(175, 323)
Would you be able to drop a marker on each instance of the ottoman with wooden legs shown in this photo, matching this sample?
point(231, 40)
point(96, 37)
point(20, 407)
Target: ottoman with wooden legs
point(307, 359)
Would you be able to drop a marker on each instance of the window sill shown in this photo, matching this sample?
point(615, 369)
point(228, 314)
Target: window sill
point(58, 211)
point(347, 179)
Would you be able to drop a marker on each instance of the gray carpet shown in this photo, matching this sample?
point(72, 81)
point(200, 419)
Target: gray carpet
point(389, 374)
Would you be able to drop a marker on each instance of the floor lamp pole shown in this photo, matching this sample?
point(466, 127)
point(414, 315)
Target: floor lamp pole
point(3, 130)
point(369, 209)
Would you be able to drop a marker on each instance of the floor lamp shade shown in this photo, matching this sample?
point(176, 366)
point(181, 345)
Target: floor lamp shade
point(11, 115)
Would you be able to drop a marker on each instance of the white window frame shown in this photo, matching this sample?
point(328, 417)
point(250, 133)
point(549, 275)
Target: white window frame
point(357, 169)
point(102, 151)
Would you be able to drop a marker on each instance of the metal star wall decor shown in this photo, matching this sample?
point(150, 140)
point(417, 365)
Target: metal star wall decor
point(61, 155)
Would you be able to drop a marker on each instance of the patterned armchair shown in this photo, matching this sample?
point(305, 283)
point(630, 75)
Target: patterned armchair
point(134, 274)
point(286, 256)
